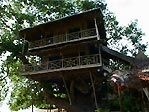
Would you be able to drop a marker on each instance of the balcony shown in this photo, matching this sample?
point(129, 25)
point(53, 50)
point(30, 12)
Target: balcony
point(79, 62)
point(60, 39)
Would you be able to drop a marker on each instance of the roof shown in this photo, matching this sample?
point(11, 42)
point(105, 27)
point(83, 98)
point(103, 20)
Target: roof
point(116, 55)
point(86, 14)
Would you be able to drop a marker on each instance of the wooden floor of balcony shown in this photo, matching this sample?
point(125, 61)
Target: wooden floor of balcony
point(68, 73)
point(71, 65)
point(62, 39)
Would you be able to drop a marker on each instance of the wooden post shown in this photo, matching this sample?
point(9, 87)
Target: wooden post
point(67, 90)
point(95, 98)
point(62, 56)
point(146, 91)
point(79, 59)
point(66, 37)
point(32, 106)
point(98, 39)
point(97, 32)
point(50, 108)
point(120, 96)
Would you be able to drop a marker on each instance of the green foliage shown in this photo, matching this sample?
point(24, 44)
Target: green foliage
point(26, 93)
point(135, 98)
point(18, 14)
point(118, 36)
point(131, 102)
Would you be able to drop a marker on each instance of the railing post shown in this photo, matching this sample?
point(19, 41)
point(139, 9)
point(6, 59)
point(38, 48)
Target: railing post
point(66, 37)
point(62, 62)
point(47, 65)
point(98, 38)
point(81, 33)
point(95, 59)
point(79, 60)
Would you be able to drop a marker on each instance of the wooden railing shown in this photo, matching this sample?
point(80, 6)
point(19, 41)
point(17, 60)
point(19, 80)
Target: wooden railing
point(63, 38)
point(80, 61)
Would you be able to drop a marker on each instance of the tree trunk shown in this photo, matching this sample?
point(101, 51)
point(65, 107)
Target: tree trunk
point(59, 102)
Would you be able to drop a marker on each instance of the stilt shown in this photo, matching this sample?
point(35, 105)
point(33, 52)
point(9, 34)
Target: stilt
point(120, 97)
point(50, 108)
point(32, 108)
point(146, 91)
point(70, 101)
point(95, 98)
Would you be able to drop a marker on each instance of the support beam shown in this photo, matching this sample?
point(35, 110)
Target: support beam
point(97, 32)
point(94, 92)
point(98, 38)
point(146, 91)
point(70, 101)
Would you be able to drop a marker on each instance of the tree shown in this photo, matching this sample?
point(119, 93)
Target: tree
point(16, 15)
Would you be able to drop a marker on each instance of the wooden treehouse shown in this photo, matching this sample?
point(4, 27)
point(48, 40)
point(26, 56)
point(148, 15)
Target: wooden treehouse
point(71, 53)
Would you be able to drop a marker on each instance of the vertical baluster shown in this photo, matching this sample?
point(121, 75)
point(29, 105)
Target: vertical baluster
point(79, 59)
point(81, 34)
point(54, 40)
point(66, 37)
point(96, 58)
point(62, 62)
point(47, 65)
point(50, 65)
point(30, 45)
point(87, 61)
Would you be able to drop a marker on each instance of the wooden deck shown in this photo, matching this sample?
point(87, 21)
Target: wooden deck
point(73, 63)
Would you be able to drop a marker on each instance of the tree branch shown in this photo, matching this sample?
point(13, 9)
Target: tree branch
point(59, 102)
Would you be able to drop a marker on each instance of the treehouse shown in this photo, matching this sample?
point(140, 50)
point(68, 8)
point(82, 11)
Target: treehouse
point(68, 46)
point(71, 51)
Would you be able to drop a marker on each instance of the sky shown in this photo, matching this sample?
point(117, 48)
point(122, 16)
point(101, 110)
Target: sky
point(129, 10)
point(125, 11)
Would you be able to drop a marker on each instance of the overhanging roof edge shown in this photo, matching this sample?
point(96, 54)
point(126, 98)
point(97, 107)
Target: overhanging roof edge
point(118, 55)
point(65, 17)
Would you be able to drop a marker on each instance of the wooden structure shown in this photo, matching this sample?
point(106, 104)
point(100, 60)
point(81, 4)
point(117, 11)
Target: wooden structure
point(67, 44)
point(71, 52)
point(70, 43)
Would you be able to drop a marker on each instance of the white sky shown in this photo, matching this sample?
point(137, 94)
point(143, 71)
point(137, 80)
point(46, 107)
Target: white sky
point(129, 10)
point(125, 11)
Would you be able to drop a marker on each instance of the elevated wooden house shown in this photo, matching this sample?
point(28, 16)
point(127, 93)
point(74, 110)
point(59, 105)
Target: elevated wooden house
point(71, 50)
point(70, 45)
